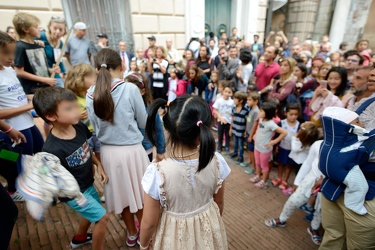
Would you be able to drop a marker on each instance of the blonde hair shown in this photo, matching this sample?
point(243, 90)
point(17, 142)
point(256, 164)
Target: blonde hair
point(23, 21)
point(165, 54)
point(75, 81)
point(57, 19)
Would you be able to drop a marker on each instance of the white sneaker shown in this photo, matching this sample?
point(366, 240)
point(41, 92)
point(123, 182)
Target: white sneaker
point(17, 197)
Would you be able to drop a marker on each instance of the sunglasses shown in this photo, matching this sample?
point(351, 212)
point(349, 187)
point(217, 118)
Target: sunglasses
point(58, 19)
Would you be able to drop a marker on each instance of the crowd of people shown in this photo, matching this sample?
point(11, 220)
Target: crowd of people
point(284, 102)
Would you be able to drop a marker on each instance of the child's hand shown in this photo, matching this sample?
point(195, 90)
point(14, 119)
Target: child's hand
point(270, 144)
point(55, 69)
point(84, 115)
point(159, 157)
point(294, 187)
point(249, 139)
point(16, 136)
point(103, 177)
point(223, 120)
point(49, 81)
point(39, 42)
point(230, 132)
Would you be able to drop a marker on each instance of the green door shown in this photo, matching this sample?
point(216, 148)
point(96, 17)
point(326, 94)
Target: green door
point(217, 14)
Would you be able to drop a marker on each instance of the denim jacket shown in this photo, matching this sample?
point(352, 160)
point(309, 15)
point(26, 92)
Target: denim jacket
point(160, 140)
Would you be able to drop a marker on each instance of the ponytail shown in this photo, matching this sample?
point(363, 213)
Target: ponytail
point(206, 146)
point(151, 119)
point(105, 60)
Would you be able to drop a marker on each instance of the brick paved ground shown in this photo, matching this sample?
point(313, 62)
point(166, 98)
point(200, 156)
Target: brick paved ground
point(246, 207)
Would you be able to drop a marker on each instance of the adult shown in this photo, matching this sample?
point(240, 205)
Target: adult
point(139, 57)
point(362, 47)
point(245, 70)
point(266, 70)
point(254, 60)
point(233, 53)
point(158, 66)
point(211, 36)
point(305, 55)
point(300, 73)
point(11, 32)
point(194, 46)
point(187, 60)
point(227, 67)
point(257, 47)
point(295, 50)
point(345, 229)
point(196, 79)
point(102, 42)
point(316, 64)
point(285, 85)
point(213, 48)
point(125, 55)
point(353, 60)
point(152, 45)
point(204, 60)
point(234, 34)
point(78, 47)
point(53, 45)
point(222, 43)
point(334, 58)
point(173, 55)
point(343, 48)
point(318, 73)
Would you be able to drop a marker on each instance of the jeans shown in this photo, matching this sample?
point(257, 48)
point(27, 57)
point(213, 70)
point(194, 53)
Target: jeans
point(60, 82)
point(223, 129)
point(238, 145)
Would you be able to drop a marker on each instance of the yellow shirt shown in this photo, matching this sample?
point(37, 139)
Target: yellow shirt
point(82, 103)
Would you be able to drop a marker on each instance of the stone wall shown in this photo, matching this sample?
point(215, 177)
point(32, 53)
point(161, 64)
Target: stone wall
point(323, 19)
point(43, 9)
point(155, 17)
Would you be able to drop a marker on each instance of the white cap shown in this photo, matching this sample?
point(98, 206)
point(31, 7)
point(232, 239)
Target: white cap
point(80, 26)
point(341, 114)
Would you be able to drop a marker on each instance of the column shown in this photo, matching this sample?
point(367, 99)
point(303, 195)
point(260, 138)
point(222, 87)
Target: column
point(338, 25)
point(194, 18)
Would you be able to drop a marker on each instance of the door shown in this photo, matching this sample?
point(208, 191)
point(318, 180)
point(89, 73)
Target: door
point(217, 14)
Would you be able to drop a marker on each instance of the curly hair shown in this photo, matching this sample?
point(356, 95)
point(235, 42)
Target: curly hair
point(75, 79)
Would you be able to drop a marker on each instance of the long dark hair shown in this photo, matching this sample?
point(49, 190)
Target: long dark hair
point(104, 106)
point(199, 59)
point(341, 89)
point(187, 120)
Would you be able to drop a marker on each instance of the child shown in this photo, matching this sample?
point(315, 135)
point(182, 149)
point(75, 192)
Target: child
point(142, 83)
point(30, 61)
point(188, 185)
point(211, 89)
point(172, 85)
point(116, 111)
point(14, 109)
point(252, 102)
point(181, 84)
point(361, 46)
point(264, 142)
point(346, 145)
point(310, 177)
point(219, 92)
point(68, 141)
point(133, 66)
point(238, 125)
point(291, 125)
point(223, 110)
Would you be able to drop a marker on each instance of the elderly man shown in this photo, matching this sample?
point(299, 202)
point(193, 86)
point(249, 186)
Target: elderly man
point(78, 47)
point(345, 229)
point(125, 56)
point(173, 56)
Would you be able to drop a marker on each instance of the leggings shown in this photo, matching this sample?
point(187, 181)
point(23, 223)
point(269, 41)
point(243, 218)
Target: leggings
point(262, 160)
point(297, 199)
point(34, 145)
point(8, 216)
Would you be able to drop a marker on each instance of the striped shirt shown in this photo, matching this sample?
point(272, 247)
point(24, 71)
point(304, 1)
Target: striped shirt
point(239, 121)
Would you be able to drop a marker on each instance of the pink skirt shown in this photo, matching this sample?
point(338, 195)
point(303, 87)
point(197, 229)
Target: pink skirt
point(125, 167)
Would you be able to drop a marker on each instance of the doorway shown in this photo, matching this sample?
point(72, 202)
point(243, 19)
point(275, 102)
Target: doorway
point(217, 14)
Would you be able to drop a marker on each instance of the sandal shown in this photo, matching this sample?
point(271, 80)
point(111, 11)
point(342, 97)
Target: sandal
point(287, 191)
point(315, 237)
point(283, 185)
point(276, 182)
point(272, 223)
point(261, 184)
point(255, 179)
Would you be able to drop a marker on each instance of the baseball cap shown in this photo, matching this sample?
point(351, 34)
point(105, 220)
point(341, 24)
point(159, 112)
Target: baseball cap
point(80, 26)
point(151, 38)
point(102, 35)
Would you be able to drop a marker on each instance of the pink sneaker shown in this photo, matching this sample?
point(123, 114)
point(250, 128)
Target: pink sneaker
point(287, 191)
point(131, 241)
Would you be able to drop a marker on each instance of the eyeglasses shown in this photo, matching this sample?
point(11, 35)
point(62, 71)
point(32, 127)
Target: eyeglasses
point(351, 60)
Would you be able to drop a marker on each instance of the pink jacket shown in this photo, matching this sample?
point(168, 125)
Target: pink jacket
point(181, 87)
point(320, 103)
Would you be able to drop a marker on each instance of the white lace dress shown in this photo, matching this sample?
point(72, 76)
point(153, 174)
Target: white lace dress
point(190, 218)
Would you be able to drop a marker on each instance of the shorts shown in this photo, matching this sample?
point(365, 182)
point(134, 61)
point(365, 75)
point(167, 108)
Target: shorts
point(94, 143)
point(94, 210)
point(250, 145)
point(283, 156)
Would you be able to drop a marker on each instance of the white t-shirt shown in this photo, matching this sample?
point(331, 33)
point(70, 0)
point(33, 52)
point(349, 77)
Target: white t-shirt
point(264, 134)
point(151, 179)
point(12, 95)
point(286, 142)
point(247, 72)
point(224, 107)
point(172, 86)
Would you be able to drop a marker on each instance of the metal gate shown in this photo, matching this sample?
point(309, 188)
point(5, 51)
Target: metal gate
point(102, 16)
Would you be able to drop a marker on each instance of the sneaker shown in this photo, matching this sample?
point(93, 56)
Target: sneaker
point(233, 155)
point(245, 164)
point(249, 171)
point(131, 241)
point(17, 197)
point(309, 217)
point(76, 244)
point(219, 149)
point(240, 159)
point(102, 198)
point(307, 208)
point(214, 128)
point(226, 150)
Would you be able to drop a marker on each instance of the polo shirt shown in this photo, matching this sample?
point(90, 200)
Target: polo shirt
point(264, 74)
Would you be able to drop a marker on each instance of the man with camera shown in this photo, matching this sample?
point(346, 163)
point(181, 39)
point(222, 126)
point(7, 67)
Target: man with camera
point(227, 67)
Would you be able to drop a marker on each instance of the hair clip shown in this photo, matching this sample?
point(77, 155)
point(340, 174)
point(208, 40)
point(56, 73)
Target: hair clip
point(199, 123)
point(103, 65)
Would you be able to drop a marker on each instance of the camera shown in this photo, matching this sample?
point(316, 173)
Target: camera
point(154, 59)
